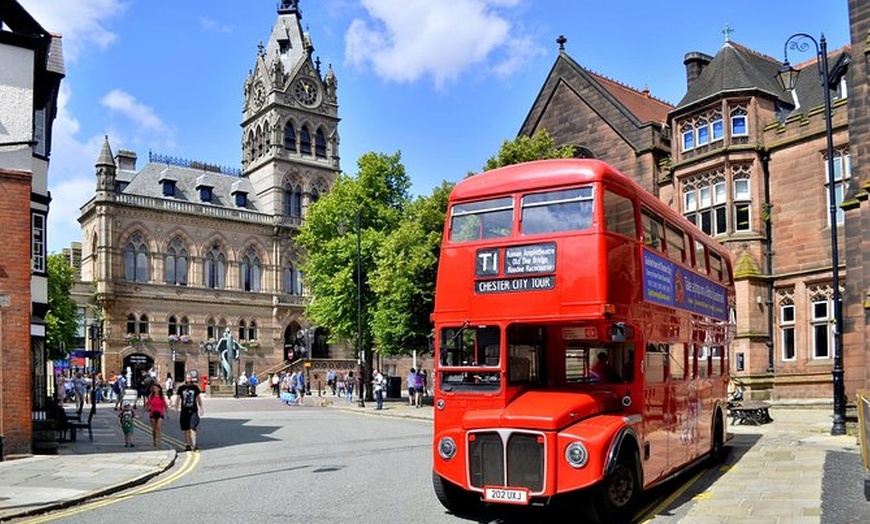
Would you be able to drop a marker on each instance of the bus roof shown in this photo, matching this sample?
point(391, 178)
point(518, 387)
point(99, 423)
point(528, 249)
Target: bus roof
point(544, 174)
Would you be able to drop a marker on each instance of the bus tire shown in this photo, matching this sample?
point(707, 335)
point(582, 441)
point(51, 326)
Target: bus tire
point(454, 498)
point(614, 499)
point(717, 446)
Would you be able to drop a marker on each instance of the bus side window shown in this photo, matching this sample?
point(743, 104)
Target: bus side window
point(619, 215)
point(653, 231)
point(678, 354)
point(656, 364)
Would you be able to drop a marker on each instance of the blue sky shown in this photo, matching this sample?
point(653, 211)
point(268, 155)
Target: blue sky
point(443, 81)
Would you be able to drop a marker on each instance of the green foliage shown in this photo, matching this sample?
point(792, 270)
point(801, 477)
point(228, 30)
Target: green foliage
point(525, 149)
point(376, 198)
point(61, 321)
point(404, 280)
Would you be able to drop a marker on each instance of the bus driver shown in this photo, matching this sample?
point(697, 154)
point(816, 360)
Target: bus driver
point(602, 370)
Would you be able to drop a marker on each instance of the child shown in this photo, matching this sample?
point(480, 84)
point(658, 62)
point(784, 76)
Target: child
point(126, 416)
point(156, 405)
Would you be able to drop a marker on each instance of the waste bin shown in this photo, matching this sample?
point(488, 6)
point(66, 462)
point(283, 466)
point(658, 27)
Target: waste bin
point(394, 387)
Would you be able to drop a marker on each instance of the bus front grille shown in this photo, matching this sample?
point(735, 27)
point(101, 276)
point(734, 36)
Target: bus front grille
point(521, 462)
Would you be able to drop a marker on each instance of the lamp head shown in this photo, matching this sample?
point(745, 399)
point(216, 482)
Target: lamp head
point(787, 77)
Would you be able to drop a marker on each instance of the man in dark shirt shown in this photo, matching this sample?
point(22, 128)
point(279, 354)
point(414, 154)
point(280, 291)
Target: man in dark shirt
point(188, 399)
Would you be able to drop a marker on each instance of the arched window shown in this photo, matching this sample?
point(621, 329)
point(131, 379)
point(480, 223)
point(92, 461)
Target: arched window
point(293, 200)
point(252, 146)
point(172, 326)
point(319, 144)
point(215, 268)
point(259, 141)
point(251, 271)
point(739, 122)
point(184, 327)
point(290, 137)
point(243, 330)
point(176, 263)
point(131, 324)
point(252, 330)
point(315, 195)
point(211, 329)
point(136, 260)
point(292, 281)
point(305, 141)
point(143, 325)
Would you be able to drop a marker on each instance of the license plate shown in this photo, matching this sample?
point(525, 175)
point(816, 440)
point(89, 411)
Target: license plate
point(506, 495)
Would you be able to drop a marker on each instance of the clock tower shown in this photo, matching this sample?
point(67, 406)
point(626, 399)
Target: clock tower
point(290, 121)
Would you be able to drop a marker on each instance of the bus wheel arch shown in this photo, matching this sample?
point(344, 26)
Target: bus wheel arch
point(613, 500)
point(455, 499)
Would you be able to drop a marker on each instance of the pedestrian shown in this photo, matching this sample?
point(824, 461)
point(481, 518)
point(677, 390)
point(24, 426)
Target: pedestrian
point(169, 387)
point(78, 384)
point(348, 387)
point(330, 381)
point(143, 388)
point(276, 384)
point(120, 387)
point(253, 381)
point(418, 390)
point(188, 400)
point(378, 387)
point(155, 406)
point(125, 418)
point(98, 388)
point(300, 387)
point(412, 384)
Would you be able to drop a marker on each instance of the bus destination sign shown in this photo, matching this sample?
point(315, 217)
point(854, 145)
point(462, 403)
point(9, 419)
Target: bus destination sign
point(535, 259)
point(666, 284)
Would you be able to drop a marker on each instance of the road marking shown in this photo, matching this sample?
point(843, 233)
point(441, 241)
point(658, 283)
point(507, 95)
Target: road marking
point(649, 513)
point(190, 462)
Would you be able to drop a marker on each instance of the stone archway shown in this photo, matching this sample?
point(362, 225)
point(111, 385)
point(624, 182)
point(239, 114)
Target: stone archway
point(290, 335)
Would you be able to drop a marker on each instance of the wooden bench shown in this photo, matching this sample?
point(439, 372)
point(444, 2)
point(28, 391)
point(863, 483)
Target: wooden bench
point(749, 411)
point(74, 426)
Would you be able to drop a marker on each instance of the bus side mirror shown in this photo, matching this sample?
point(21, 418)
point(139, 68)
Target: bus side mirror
point(617, 332)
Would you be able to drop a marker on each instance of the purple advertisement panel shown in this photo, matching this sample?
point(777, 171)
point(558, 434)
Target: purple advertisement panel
point(667, 284)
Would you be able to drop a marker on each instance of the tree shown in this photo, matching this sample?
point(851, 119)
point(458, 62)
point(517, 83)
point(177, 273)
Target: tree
point(61, 321)
point(404, 278)
point(525, 149)
point(376, 198)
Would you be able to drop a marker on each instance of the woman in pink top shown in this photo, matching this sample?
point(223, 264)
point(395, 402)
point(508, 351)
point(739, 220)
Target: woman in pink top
point(156, 406)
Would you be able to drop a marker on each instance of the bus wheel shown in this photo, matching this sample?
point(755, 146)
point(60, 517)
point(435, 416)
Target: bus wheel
point(615, 497)
point(455, 499)
point(717, 448)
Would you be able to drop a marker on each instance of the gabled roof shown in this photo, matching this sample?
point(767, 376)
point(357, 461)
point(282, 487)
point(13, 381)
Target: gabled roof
point(735, 68)
point(631, 109)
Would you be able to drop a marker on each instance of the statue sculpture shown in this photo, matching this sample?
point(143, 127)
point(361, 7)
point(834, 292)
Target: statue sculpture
point(229, 350)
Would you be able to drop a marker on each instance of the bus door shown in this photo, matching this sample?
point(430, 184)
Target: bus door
point(658, 412)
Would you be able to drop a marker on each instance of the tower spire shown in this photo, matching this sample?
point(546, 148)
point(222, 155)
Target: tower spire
point(289, 7)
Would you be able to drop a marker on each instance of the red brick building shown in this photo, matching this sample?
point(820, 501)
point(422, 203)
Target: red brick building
point(30, 76)
point(746, 161)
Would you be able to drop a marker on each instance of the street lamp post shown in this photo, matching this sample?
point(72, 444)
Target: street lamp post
point(95, 333)
point(787, 78)
point(359, 349)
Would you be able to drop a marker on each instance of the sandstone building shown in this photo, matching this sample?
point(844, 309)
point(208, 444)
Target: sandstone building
point(176, 251)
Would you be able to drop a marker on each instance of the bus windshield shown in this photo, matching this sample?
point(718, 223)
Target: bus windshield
point(470, 347)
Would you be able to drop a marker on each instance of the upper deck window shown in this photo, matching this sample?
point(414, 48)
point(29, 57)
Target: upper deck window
point(481, 220)
point(555, 211)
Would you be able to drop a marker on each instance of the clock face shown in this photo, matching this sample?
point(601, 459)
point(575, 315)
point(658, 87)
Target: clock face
point(305, 92)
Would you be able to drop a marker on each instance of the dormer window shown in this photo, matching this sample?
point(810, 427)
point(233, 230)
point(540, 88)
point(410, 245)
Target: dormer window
point(167, 182)
point(205, 193)
point(241, 198)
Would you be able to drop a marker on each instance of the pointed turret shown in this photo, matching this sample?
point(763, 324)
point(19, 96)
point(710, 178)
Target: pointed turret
point(106, 168)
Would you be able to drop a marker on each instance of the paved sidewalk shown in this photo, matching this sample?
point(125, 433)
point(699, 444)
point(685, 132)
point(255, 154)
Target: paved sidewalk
point(81, 470)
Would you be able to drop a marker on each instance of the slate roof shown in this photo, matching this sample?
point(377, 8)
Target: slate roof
point(737, 68)
point(147, 182)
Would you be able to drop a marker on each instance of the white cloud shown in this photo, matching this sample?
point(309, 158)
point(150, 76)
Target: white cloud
point(212, 25)
point(80, 22)
point(142, 115)
point(406, 40)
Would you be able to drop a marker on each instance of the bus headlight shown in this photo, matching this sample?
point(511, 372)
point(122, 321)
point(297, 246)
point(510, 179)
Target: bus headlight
point(446, 448)
point(576, 455)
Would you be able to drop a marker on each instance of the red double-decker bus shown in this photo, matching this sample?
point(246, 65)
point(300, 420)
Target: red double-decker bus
point(582, 331)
